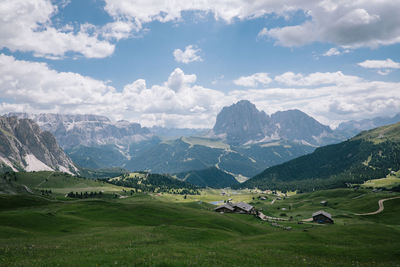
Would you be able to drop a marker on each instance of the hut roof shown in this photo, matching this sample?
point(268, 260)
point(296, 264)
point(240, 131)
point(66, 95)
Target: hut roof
point(227, 206)
point(244, 206)
point(326, 214)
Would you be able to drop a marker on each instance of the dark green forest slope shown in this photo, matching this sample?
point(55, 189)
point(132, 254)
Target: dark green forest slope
point(211, 177)
point(369, 155)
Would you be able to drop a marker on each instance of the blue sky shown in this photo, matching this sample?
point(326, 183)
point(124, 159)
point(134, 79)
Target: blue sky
point(272, 54)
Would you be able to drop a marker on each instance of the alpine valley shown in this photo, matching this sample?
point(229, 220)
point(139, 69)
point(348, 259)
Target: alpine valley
point(243, 142)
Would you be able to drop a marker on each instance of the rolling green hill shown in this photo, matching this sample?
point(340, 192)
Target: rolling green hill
point(211, 177)
point(144, 230)
point(57, 182)
point(370, 155)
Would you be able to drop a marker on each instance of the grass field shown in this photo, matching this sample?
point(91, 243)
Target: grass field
point(389, 182)
point(63, 184)
point(167, 230)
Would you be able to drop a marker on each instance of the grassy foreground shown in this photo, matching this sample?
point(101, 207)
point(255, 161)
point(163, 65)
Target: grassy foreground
point(147, 230)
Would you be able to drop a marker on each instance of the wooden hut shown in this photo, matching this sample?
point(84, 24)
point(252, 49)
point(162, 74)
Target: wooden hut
point(227, 207)
point(322, 217)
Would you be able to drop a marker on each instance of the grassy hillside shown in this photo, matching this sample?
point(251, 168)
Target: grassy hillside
point(145, 231)
point(60, 183)
point(211, 177)
point(370, 155)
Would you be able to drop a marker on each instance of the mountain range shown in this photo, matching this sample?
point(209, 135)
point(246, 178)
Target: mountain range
point(370, 155)
point(243, 142)
point(25, 147)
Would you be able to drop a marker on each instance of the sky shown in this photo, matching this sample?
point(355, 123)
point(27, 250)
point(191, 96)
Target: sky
point(178, 63)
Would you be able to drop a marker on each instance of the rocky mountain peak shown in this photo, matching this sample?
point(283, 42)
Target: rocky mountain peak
point(240, 122)
point(243, 123)
point(24, 146)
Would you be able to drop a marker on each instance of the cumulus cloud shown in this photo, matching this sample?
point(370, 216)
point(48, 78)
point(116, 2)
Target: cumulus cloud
point(316, 79)
point(335, 52)
point(383, 67)
point(35, 87)
point(190, 54)
point(345, 23)
point(118, 30)
point(25, 25)
point(254, 80)
point(179, 102)
point(380, 64)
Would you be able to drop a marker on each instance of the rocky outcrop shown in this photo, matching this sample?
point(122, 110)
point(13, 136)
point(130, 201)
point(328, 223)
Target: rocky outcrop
point(25, 147)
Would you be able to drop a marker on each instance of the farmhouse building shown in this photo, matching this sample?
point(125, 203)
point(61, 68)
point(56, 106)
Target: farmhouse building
point(240, 207)
point(225, 208)
point(322, 217)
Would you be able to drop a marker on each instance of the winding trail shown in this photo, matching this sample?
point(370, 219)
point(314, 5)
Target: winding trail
point(381, 207)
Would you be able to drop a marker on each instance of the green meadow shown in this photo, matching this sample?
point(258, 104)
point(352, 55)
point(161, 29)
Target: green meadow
point(169, 230)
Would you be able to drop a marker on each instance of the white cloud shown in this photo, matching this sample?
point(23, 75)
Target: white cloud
point(332, 52)
point(180, 102)
point(190, 54)
point(380, 64)
point(34, 87)
point(118, 30)
point(346, 23)
point(254, 80)
point(384, 72)
point(25, 25)
point(384, 67)
point(315, 79)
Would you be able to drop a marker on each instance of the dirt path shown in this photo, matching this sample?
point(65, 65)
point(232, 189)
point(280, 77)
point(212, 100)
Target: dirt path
point(381, 207)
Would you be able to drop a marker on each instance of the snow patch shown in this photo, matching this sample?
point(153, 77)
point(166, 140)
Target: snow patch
point(33, 164)
point(8, 163)
point(64, 169)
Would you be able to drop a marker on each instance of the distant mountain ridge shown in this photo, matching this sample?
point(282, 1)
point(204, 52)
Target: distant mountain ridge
point(243, 123)
point(351, 128)
point(25, 147)
point(88, 130)
point(369, 155)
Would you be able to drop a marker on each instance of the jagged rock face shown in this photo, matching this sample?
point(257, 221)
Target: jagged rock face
point(242, 123)
point(24, 146)
point(88, 130)
point(295, 125)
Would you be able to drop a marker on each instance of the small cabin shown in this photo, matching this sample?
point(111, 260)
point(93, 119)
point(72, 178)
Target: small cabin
point(324, 203)
point(225, 208)
point(240, 207)
point(322, 217)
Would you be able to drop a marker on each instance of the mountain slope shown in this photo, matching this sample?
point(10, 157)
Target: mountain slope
point(23, 146)
point(187, 154)
point(211, 177)
point(369, 155)
point(295, 125)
